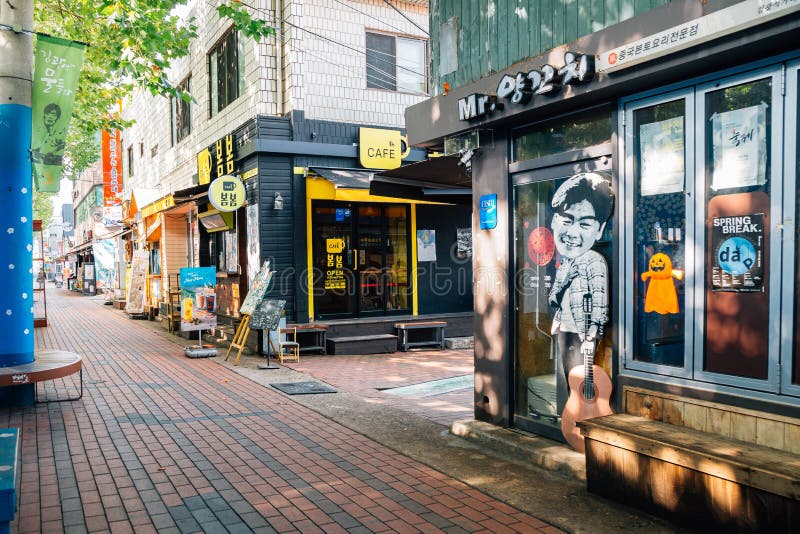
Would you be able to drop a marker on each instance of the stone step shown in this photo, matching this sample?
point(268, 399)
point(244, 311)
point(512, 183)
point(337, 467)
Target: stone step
point(459, 342)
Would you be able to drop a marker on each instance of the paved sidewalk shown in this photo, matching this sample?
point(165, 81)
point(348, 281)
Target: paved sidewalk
point(164, 443)
point(370, 376)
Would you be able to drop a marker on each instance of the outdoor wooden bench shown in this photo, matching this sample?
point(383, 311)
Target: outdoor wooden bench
point(695, 478)
point(311, 337)
point(9, 458)
point(47, 365)
point(421, 334)
point(375, 344)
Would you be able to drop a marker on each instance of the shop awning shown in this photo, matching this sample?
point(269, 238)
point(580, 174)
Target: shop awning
point(79, 248)
point(345, 178)
point(436, 180)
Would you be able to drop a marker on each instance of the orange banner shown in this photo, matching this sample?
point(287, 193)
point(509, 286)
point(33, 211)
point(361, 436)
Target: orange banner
point(112, 168)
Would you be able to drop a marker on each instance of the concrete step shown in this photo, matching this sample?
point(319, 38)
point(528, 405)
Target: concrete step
point(459, 342)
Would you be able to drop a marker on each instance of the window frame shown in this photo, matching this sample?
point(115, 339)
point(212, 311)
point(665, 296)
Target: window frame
point(781, 269)
point(230, 43)
point(627, 227)
point(776, 179)
point(395, 81)
point(175, 104)
point(790, 308)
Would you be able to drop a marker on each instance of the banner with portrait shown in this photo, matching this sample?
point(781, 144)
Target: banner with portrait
point(57, 66)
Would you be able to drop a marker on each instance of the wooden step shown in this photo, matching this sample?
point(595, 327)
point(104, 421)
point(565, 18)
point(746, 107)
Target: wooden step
point(377, 344)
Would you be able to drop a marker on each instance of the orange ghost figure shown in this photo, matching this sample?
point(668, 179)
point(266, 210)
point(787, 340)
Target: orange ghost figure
point(661, 295)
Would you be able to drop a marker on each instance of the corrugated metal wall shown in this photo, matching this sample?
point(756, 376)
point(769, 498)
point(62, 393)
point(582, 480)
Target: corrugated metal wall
point(493, 34)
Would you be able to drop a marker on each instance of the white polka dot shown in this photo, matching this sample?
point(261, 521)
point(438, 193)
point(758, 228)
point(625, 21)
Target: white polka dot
point(24, 295)
point(31, 309)
point(8, 312)
point(11, 266)
point(23, 219)
point(10, 230)
point(29, 248)
point(30, 270)
point(24, 190)
point(26, 331)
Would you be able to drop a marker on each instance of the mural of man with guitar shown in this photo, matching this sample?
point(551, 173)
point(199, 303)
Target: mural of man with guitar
point(582, 206)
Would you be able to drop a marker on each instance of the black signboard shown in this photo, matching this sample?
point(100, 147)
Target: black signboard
point(737, 248)
point(267, 315)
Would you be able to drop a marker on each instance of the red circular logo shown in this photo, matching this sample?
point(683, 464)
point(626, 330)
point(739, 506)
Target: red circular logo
point(541, 246)
point(612, 58)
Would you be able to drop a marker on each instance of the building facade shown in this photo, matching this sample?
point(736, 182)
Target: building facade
point(291, 117)
point(680, 281)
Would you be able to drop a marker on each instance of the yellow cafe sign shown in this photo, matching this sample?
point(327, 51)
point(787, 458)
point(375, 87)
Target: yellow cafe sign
point(381, 149)
point(226, 193)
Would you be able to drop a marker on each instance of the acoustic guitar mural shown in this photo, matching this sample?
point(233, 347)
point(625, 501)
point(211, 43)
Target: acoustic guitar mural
point(581, 206)
point(589, 391)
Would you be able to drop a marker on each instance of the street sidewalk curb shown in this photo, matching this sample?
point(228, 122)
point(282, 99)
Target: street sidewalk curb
point(541, 452)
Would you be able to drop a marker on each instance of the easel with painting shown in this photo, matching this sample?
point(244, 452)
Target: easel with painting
point(248, 307)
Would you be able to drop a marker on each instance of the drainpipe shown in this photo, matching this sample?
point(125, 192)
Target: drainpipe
point(280, 107)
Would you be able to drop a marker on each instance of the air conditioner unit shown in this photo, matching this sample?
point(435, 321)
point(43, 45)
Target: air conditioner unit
point(471, 140)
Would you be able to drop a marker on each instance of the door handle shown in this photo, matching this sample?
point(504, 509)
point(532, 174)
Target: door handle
point(355, 259)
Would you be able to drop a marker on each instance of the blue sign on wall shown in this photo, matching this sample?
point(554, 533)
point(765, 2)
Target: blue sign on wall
point(488, 212)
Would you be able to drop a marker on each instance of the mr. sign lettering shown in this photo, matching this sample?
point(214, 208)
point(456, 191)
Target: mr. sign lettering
point(522, 87)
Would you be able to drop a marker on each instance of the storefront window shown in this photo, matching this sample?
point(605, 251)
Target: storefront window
point(581, 131)
point(660, 233)
point(737, 146)
point(703, 191)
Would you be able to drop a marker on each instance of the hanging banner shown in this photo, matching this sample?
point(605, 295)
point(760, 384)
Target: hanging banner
point(737, 245)
point(112, 168)
point(55, 81)
point(198, 298)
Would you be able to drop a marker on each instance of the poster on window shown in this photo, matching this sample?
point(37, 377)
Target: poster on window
point(253, 243)
point(426, 245)
point(662, 159)
point(739, 147)
point(334, 264)
point(198, 298)
point(737, 248)
point(464, 242)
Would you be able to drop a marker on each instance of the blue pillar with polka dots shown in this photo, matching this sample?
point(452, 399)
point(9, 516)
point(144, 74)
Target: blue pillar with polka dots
point(16, 236)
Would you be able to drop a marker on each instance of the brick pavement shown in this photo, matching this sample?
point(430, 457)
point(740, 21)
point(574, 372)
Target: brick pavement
point(164, 443)
point(368, 375)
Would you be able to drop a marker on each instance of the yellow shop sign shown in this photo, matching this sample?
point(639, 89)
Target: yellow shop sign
point(381, 149)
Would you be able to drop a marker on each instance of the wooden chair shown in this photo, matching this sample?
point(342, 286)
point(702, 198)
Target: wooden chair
point(288, 347)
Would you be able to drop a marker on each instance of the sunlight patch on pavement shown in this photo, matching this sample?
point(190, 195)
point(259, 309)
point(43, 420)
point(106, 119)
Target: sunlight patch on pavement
point(434, 387)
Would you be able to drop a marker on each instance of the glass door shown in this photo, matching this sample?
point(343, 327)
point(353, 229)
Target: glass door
point(334, 260)
point(360, 253)
point(562, 249)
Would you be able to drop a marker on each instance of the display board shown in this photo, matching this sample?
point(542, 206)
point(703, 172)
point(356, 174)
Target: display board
point(267, 315)
point(198, 298)
point(257, 290)
point(138, 282)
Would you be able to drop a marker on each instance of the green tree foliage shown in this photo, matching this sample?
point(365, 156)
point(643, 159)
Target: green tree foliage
point(131, 43)
point(43, 207)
